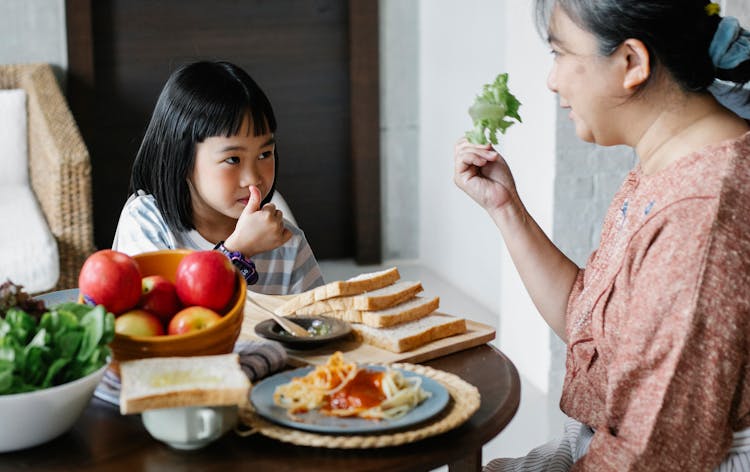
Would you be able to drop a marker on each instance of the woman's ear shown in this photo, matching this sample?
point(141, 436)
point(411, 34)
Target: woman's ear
point(638, 63)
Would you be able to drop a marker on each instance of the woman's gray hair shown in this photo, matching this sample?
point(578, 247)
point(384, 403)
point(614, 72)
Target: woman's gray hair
point(676, 33)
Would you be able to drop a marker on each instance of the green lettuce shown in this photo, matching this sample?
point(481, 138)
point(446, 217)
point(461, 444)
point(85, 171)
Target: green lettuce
point(493, 111)
point(67, 342)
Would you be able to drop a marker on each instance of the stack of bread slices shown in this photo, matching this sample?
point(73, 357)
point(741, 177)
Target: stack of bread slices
point(384, 311)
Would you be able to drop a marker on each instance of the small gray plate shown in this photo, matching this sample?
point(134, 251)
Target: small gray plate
point(335, 329)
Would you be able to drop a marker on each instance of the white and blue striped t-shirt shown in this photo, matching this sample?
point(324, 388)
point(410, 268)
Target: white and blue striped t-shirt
point(290, 268)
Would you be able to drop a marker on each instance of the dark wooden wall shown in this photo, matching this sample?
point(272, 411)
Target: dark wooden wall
point(317, 60)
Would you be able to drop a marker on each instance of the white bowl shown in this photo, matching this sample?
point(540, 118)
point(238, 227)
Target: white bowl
point(32, 418)
point(190, 427)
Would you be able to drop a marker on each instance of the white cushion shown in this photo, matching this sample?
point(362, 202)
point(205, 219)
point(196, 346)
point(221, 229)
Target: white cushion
point(14, 167)
point(28, 251)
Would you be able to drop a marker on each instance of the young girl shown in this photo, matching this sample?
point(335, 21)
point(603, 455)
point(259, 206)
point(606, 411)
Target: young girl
point(204, 176)
point(657, 324)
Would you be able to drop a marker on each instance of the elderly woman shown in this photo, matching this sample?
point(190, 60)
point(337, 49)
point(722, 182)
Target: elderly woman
point(657, 323)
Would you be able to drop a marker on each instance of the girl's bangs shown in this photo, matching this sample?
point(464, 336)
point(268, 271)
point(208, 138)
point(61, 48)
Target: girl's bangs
point(225, 119)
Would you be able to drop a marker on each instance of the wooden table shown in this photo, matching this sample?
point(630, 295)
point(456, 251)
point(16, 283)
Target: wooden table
point(104, 440)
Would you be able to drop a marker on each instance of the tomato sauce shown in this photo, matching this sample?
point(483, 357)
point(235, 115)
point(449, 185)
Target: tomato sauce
point(362, 392)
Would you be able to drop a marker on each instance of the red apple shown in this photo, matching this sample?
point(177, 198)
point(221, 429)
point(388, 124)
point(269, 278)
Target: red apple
point(112, 279)
point(159, 297)
point(138, 323)
point(205, 278)
point(192, 318)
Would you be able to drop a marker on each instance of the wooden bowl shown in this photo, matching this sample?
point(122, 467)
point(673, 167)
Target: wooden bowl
point(218, 339)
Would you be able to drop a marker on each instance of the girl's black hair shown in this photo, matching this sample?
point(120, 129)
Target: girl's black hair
point(199, 100)
point(677, 34)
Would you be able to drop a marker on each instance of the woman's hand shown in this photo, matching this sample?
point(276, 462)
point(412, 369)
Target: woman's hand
point(484, 175)
point(546, 272)
point(258, 229)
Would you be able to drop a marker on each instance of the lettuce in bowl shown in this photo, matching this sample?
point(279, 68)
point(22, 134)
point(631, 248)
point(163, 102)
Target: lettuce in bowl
point(67, 342)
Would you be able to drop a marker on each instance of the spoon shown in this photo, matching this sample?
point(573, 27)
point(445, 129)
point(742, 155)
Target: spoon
point(289, 326)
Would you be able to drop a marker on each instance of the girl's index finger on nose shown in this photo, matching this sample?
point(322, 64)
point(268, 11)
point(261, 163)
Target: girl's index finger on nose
point(254, 199)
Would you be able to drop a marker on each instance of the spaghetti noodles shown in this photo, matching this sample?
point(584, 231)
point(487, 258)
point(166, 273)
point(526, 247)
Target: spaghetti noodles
point(340, 388)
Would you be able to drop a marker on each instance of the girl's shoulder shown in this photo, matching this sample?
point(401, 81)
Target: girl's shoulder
point(141, 227)
point(141, 211)
point(141, 202)
point(296, 231)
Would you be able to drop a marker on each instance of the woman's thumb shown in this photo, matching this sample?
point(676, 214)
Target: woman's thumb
point(253, 204)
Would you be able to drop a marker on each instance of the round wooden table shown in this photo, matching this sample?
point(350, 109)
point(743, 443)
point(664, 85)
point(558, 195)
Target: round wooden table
point(104, 440)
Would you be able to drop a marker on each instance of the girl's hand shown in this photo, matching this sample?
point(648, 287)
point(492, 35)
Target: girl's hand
point(258, 229)
point(484, 175)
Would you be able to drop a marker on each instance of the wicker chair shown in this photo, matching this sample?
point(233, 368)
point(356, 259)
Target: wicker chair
point(59, 166)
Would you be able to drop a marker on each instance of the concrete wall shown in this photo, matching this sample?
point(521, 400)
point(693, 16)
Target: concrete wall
point(399, 117)
point(34, 31)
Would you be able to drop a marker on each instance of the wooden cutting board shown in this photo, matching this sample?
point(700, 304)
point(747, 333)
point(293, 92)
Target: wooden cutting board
point(475, 335)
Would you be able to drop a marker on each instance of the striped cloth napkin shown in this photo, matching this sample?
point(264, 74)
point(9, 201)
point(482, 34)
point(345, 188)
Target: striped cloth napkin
point(260, 358)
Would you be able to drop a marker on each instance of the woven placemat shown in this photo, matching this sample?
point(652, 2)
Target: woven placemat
point(465, 400)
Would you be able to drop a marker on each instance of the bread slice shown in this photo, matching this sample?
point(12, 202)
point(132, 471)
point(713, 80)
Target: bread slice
point(170, 382)
point(410, 310)
point(407, 336)
point(379, 299)
point(354, 286)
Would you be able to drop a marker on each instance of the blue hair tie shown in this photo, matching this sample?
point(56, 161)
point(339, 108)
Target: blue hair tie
point(730, 46)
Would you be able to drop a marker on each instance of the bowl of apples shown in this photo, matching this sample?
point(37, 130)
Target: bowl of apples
point(166, 303)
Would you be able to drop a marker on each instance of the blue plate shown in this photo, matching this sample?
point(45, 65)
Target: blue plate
point(314, 421)
point(61, 296)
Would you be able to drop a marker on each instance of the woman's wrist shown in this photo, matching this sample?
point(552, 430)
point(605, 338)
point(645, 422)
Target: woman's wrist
point(510, 215)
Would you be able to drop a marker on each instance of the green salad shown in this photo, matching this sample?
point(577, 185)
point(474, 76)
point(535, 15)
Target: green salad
point(52, 347)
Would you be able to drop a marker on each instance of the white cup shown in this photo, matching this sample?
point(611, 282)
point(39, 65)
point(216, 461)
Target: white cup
point(189, 427)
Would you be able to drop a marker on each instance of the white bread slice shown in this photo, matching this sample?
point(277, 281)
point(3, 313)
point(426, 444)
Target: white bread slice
point(354, 286)
point(170, 382)
point(410, 310)
point(379, 299)
point(411, 335)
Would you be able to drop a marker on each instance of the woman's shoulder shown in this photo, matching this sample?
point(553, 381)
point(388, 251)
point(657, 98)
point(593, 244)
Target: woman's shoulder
point(726, 163)
point(707, 170)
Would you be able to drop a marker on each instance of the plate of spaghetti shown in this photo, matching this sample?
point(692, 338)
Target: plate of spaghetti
point(342, 397)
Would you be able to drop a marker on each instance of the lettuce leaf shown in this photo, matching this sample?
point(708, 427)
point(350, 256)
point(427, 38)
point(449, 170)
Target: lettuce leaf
point(493, 111)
